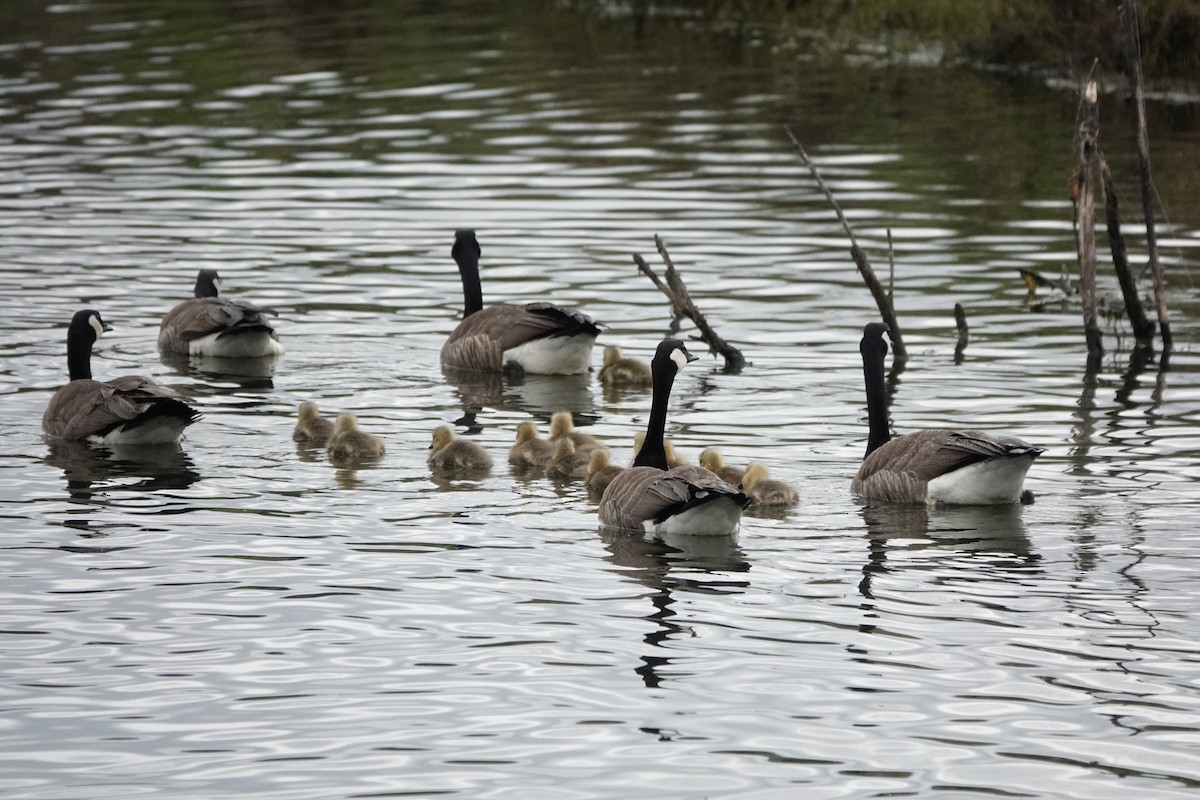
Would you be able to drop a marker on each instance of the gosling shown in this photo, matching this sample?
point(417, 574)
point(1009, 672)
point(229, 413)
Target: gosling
point(450, 453)
point(600, 472)
point(311, 427)
point(711, 460)
point(349, 444)
point(763, 491)
point(562, 425)
point(568, 463)
point(530, 450)
point(621, 371)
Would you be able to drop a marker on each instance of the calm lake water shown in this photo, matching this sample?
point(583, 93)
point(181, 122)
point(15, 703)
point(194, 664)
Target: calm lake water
point(238, 618)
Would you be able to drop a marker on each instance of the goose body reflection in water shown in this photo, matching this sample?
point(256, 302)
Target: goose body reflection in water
point(92, 469)
point(996, 533)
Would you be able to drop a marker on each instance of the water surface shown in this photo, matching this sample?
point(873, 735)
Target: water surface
point(237, 617)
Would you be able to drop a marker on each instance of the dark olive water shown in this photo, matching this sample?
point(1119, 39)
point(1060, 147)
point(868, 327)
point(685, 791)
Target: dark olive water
point(238, 618)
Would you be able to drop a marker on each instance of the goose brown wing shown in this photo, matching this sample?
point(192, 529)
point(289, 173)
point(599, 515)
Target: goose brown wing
point(640, 494)
point(85, 408)
point(901, 470)
point(480, 340)
point(202, 316)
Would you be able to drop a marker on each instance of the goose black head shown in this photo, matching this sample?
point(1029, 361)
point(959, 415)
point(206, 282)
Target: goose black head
point(208, 283)
point(88, 323)
point(875, 339)
point(673, 352)
point(466, 247)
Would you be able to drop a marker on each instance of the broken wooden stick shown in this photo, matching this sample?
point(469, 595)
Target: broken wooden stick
point(1143, 328)
point(883, 299)
point(1133, 66)
point(681, 303)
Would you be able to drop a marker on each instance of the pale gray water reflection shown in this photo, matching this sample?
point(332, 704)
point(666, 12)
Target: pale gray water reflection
point(239, 617)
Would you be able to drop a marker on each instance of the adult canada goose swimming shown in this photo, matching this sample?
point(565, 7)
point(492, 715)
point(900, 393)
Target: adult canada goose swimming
point(530, 450)
point(210, 325)
point(650, 497)
point(348, 444)
point(763, 491)
point(568, 463)
point(955, 467)
point(125, 410)
point(711, 460)
point(563, 426)
point(601, 472)
point(450, 453)
point(311, 428)
point(619, 370)
point(538, 338)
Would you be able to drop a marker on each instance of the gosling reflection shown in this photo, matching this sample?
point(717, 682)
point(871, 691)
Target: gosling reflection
point(90, 470)
point(690, 564)
point(995, 531)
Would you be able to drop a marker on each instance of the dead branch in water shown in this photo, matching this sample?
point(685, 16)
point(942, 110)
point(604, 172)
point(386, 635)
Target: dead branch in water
point(681, 303)
point(883, 299)
point(1087, 179)
point(1133, 66)
point(1143, 328)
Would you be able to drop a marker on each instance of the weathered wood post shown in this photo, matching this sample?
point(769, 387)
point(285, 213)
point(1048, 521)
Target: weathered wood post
point(1087, 180)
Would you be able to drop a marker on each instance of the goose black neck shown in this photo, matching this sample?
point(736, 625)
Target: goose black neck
point(79, 351)
point(654, 452)
point(466, 254)
point(877, 412)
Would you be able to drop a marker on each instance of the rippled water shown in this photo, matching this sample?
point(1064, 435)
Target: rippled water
point(239, 618)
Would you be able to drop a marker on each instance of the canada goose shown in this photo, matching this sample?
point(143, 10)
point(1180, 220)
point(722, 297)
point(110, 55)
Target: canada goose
point(600, 472)
point(711, 460)
point(349, 444)
point(673, 458)
point(451, 453)
point(538, 338)
point(126, 410)
point(933, 466)
point(652, 498)
point(561, 425)
point(618, 370)
point(210, 325)
point(763, 491)
point(567, 463)
point(530, 450)
point(311, 428)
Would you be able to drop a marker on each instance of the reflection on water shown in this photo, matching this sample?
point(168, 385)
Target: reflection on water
point(216, 374)
point(93, 469)
point(536, 395)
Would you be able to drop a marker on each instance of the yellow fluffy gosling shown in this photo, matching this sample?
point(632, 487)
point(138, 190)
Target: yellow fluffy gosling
point(348, 443)
point(600, 472)
point(448, 452)
point(311, 427)
point(562, 425)
point(763, 491)
point(568, 463)
point(621, 371)
point(530, 450)
point(711, 460)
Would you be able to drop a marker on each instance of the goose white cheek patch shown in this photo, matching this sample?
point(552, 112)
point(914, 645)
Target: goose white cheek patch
point(97, 325)
point(679, 358)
